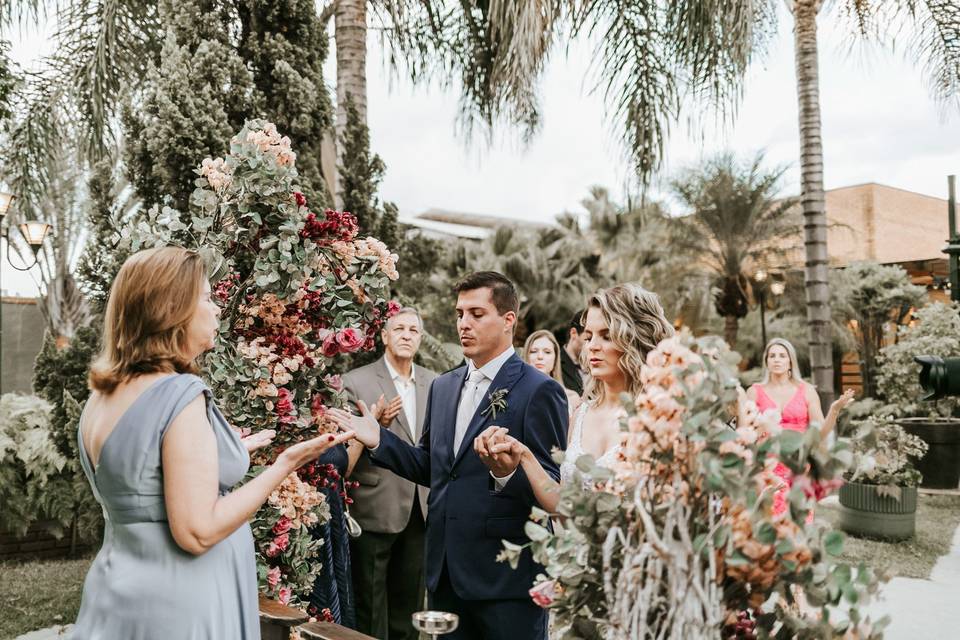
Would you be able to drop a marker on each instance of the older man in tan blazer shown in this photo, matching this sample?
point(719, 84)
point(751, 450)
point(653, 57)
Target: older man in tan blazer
point(387, 557)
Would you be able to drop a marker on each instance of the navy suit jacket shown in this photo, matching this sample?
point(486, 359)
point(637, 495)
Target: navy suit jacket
point(467, 520)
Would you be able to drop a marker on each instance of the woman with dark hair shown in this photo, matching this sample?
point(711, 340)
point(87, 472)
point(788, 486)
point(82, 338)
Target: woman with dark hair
point(177, 559)
point(622, 325)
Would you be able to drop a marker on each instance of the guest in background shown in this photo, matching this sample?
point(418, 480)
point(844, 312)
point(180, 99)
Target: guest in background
point(543, 353)
point(387, 557)
point(572, 341)
point(783, 389)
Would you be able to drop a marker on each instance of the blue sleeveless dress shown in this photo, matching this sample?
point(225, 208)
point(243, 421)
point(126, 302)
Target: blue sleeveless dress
point(142, 585)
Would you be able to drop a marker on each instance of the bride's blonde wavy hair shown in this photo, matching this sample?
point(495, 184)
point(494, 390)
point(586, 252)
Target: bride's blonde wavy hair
point(636, 323)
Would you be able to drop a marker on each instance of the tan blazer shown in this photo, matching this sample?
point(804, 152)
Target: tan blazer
point(383, 501)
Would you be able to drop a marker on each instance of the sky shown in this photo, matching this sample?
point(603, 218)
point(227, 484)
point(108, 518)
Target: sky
point(879, 125)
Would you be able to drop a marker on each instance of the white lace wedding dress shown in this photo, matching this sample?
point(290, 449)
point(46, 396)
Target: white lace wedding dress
point(575, 449)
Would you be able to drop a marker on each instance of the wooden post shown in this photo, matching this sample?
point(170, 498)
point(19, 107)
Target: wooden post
point(277, 619)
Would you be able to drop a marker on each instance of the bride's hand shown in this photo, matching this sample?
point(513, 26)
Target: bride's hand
point(258, 440)
point(365, 425)
point(303, 452)
point(500, 452)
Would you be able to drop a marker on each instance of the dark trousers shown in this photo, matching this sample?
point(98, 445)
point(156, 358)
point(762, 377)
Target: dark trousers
point(489, 619)
point(388, 582)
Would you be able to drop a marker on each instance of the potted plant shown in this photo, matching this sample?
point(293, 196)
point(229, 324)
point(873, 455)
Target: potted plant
point(879, 498)
point(935, 332)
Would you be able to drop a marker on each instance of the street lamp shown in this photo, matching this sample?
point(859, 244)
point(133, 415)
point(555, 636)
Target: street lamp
point(33, 231)
point(760, 287)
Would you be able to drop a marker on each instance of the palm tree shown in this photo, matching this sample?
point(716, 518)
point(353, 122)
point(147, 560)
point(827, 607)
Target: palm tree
point(736, 224)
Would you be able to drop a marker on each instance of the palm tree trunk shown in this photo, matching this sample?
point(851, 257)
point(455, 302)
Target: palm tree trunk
point(812, 197)
point(350, 35)
point(731, 327)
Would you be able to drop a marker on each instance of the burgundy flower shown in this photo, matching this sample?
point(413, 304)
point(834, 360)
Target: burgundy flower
point(283, 525)
point(284, 404)
point(393, 308)
point(300, 198)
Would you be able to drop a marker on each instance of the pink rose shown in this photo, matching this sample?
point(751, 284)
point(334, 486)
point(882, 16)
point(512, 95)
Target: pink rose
point(393, 308)
point(544, 593)
point(334, 382)
point(282, 526)
point(349, 340)
point(330, 347)
point(272, 551)
point(273, 577)
point(282, 541)
point(284, 595)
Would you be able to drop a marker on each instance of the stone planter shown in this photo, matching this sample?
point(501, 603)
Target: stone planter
point(941, 465)
point(865, 512)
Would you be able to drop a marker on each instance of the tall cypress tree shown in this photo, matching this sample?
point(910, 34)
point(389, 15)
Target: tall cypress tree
point(224, 62)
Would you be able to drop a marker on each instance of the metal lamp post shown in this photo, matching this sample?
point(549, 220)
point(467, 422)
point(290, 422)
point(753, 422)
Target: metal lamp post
point(33, 231)
point(953, 241)
point(761, 286)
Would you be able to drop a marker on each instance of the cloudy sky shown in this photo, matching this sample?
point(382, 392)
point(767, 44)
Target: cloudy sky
point(879, 125)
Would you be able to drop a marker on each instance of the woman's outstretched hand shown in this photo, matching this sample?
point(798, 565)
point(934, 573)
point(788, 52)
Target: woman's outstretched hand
point(258, 440)
point(309, 450)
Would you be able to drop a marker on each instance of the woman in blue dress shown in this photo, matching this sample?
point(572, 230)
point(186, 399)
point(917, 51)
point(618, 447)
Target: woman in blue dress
point(177, 559)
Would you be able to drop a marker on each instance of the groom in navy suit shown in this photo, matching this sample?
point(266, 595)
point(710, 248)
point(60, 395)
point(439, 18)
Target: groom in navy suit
point(472, 509)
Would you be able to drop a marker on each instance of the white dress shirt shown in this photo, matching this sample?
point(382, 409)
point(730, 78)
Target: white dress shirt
point(489, 371)
point(407, 390)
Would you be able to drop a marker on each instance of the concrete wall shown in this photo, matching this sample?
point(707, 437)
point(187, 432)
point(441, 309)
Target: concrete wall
point(21, 326)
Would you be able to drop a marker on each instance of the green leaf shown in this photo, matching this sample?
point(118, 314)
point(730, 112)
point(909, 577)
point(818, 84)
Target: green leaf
point(833, 543)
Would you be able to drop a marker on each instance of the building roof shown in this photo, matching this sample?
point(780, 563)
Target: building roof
point(884, 224)
point(445, 224)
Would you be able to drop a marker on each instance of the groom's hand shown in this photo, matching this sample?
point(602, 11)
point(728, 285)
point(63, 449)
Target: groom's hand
point(497, 451)
point(365, 425)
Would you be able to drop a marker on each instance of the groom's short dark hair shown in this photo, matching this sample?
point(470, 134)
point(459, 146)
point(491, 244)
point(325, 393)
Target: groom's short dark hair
point(502, 291)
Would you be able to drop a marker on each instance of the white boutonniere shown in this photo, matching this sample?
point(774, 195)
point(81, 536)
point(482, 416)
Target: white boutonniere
point(498, 402)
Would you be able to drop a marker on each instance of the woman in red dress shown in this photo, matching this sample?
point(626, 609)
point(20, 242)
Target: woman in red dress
point(783, 389)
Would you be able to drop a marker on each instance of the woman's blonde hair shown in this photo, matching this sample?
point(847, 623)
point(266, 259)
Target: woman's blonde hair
point(794, 372)
point(556, 373)
point(636, 323)
point(151, 302)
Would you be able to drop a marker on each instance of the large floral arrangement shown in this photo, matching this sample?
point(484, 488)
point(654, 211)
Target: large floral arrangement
point(887, 454)
point(299, 288)
point(679, 540)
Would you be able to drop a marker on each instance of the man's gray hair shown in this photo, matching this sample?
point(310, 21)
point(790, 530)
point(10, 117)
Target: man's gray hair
point(410, 311)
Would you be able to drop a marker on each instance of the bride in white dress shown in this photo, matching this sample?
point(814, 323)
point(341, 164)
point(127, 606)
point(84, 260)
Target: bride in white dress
point(622, 325)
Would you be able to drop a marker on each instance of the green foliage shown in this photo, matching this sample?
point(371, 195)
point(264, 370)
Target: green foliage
point(37, 481)
point(736, 224)
point(8, 82)
point(887, 452)
point(219, 63)
point(934, 331)
point(873, 296)
point(186, 110)
point(360, 173)
point(679, 536)
point(59, 370)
